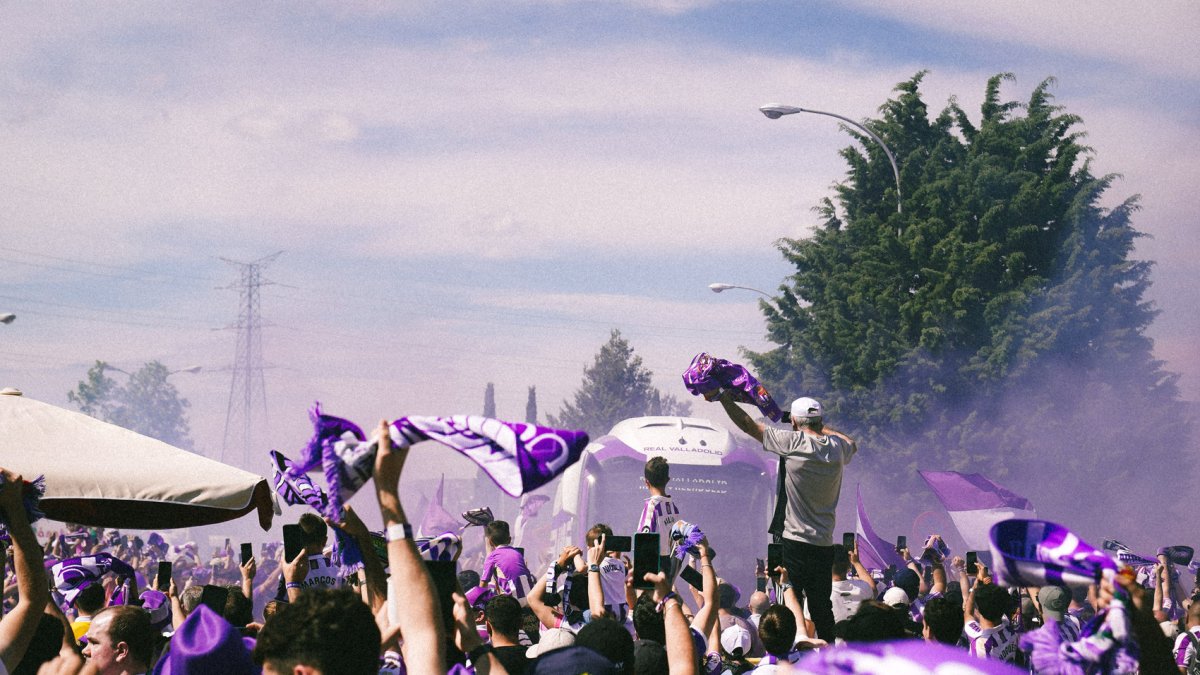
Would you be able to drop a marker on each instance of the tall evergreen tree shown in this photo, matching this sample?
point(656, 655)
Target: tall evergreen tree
point(489, 400)
point(997, 325)
point(531, 406)
point(615, 387)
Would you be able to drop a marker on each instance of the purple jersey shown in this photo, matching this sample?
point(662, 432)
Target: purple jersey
point(505, 569)
point(658, 515)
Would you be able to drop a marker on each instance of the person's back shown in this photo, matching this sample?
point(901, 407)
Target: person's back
point(502, 616)
point(1186, 653)
point(504, 567)
point(777, 630)
point(992, 636)
point(659, 511)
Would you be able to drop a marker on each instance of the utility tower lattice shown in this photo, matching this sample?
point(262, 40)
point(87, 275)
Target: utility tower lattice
point(248, 385)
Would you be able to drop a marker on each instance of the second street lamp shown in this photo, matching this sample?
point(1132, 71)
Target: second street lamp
point(718, 287)
point(776, 110)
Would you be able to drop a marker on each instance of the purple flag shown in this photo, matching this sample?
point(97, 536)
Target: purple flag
point(1042, 553)
point(975, 504)
point(295, 488)
point(874, 552)
point(707, 376)
point(437, 519)
point(912, 657)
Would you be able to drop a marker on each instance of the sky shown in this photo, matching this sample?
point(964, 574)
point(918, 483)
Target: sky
point(477, 192)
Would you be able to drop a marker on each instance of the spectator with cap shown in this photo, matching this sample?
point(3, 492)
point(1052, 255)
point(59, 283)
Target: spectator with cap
point(809, 484)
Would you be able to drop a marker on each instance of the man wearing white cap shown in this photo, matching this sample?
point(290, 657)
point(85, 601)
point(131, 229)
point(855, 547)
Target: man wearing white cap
point(811, 457)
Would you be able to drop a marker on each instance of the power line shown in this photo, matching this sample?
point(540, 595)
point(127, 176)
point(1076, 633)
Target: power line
point(247, 383)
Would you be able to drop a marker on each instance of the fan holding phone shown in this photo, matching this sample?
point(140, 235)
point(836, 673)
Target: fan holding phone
point(811, 458)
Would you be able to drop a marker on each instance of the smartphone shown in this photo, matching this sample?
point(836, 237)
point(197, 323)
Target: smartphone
point(645, 558)
point(162, 581)
point(247, 552)
point(774, 559)
point(226, 547)
point(694, 578)
point(972, 567)
point(901, 542)
point(445, 584)
point(848, 541)
point(618, 544)
point(293, 541)
point(214, 597)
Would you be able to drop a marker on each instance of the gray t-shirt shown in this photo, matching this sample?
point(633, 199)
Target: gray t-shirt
point(813, 481)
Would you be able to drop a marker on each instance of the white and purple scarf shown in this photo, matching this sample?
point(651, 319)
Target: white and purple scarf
point(709, 376)
point(686, 536)
point(1041, 553)
point(518, 457)
point(72, 575)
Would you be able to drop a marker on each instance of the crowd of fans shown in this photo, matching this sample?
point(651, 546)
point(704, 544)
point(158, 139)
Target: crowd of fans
point(584, 613)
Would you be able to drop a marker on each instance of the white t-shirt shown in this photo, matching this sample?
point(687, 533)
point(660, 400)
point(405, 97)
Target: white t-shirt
point(612, 581)
point(846, 596)
point(999, 642)
point(320, 573)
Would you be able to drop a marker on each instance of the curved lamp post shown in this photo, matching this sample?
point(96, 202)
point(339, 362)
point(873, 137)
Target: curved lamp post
point(7, 318)
point(776, 110)
point(718, 287)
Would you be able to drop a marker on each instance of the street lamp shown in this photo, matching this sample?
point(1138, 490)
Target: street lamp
point(718, 287)
point(776, 110)
point(7, 318)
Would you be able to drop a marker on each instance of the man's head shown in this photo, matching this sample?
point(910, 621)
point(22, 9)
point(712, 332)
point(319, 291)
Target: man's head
point(909, 581)
point(90, 600)
point(658, 472)
point(329, 630)
point(874, 622)
point(806, 412)
point(943, 621)
point(316, 532)
point(190, 598)
point(503, 615)
point(777, 630)
point(991, 601)
point(727, 596)
point(648, 621)
point(611, 640)
point(759, 602)
point(841, 562)
point(1054, 601)
point(497, 533)
point(597, 530)
point(1193, 615)
point(120, 639)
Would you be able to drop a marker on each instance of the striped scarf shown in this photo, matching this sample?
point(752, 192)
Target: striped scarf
point(709, 376)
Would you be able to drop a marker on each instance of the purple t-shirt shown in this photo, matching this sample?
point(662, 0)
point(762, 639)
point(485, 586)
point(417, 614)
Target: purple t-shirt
point(505, 569)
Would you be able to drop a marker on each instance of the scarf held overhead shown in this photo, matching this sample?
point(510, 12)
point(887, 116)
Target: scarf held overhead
point(709, 376)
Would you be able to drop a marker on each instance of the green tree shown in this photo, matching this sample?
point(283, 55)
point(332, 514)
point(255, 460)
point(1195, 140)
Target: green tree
point(615, 387)
point(997, 325)
point(489, 400)
point(148, 403)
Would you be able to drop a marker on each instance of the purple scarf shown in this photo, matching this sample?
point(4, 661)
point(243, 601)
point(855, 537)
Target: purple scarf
point(72, 575)
point(685, 536)
point(708, 376)
point(518, 457)
point(1041, 553)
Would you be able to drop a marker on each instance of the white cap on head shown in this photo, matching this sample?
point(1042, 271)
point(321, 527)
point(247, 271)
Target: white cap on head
point(736, 638)
point(806, 407)
point(895, 596)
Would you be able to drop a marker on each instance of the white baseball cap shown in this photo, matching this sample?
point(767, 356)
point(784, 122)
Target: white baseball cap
point(806, 407)
point(734, 638)
point(895, 596)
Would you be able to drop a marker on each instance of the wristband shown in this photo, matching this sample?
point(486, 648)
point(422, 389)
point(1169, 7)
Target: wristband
point(293, 584)
point(662, 604)
point(479, 652)
point(594, 568)
point(783, 588)
point(399, 531)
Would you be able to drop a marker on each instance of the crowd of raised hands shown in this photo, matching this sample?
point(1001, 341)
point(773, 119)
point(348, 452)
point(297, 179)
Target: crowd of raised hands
point(586, 612)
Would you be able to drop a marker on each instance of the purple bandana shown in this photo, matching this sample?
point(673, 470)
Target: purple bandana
point(1041, 553)
point(708, 376)
point(72, 575)
point(31, 494)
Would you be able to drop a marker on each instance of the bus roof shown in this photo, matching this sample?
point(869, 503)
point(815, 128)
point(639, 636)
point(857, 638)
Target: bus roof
point(681, 440)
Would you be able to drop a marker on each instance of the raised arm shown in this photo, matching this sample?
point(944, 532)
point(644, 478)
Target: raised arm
point(792, 601)
point(706, 616)
point(862, 572)
point(595, 556)
point(19, 625)
point(681, 653)
point(740, 418)
point(416, 611)
point(375, 580)
point(537, 603)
